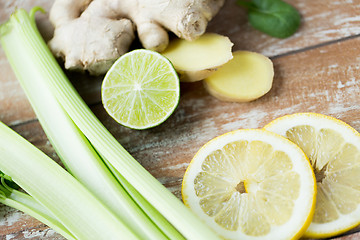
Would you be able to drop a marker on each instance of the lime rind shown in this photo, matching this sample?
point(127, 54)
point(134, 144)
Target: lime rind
point(141, 90)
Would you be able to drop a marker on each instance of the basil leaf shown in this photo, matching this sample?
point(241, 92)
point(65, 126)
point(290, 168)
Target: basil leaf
point(273, 17)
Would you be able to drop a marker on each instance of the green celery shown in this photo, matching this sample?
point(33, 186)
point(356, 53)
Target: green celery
point(84, 216)
point(73, 148)
point(110, 149)
point(29, 205)
point(105, 144)
point(153, 214)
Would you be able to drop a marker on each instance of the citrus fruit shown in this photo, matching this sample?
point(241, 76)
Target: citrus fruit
point(141, 89)
point(251, 184)
point(333, 148)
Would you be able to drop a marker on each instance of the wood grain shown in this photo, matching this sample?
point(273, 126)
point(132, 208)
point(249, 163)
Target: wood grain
point(316, 70)
point(322, 21)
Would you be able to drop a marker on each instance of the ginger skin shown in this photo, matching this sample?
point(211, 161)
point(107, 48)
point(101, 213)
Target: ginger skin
point(91, 35)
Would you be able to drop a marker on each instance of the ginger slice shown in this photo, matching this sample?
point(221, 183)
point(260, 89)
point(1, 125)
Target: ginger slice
point(198, 59)
point(246, 77)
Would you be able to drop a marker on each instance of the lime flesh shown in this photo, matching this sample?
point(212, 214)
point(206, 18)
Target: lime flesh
point(141, 90)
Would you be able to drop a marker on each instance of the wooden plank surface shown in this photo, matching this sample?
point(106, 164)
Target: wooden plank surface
point(316, 70)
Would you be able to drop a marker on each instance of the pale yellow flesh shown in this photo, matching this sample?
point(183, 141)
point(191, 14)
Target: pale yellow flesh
point(250, 184)
point(333, 148)
point(200, 57)
point(265, 173)
point(246, 77)
point(337, 167)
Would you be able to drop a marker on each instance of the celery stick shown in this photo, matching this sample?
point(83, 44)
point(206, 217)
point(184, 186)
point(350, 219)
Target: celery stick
point(29, 205)
point(55, 189)
point(152, 190)
point(153, 213)
point(73, 148)
point(106, 145)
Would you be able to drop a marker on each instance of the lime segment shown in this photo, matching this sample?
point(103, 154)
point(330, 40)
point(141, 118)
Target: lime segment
point(141, 90)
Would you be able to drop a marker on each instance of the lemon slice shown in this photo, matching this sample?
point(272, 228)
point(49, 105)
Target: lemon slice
point(251, 184)
point(141, 90)
point(333, 148)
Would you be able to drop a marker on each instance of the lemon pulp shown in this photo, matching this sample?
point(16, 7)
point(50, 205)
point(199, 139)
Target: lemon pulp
point(333, 148)
point(260, 185)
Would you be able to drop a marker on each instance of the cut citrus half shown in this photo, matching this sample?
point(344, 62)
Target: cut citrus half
point(141, 90)
point(333, 148)
point(251, 184)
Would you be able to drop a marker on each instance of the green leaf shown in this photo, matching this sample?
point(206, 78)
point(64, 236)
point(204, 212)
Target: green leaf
point(7, 182)
point(273, 17)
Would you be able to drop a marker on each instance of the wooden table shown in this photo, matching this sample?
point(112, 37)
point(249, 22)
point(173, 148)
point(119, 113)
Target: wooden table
point(316, 70)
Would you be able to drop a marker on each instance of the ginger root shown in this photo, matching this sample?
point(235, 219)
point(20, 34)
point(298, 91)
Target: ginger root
point(244, 78)
point(92, 34)
point(198, 59)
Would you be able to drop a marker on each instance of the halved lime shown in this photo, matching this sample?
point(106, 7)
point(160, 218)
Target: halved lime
point(141, 90)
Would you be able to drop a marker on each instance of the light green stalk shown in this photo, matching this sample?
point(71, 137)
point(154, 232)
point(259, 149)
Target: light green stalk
point(109, 148)
point(73, 148)
point(29, 205)
point(55, 189)
point(104, 143)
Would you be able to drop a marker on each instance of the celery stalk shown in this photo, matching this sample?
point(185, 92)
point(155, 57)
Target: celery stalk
point(29, 205)
point(104, 143)
point(55, 189)
point(73, 148)
point(151, 189)
point(153, 214)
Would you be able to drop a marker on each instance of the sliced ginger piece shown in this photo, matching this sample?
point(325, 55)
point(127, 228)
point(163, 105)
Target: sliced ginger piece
point(246, 77)
point(198, 59)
